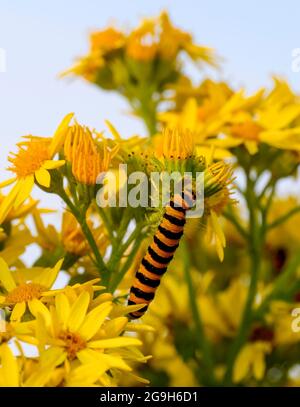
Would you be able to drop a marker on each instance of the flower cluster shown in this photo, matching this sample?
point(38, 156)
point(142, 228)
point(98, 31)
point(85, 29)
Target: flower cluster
point(141, 64)
point(227, 310)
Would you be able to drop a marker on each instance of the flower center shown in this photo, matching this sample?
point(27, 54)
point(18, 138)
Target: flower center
point(73, 343)
point(25, 292)
point(30, 157)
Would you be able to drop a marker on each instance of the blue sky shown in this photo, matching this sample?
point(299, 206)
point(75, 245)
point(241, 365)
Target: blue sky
point(42, 38)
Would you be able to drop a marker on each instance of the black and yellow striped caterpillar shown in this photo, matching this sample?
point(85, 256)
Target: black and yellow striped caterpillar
point(160, 252)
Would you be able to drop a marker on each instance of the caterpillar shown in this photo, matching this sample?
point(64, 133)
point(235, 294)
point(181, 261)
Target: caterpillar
point(160, 252)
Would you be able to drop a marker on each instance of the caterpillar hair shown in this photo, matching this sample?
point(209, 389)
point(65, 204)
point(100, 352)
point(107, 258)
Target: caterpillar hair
point(160, 252)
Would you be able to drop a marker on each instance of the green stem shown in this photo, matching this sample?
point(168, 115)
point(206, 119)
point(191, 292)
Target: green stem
point(201, 339)
point(107, 224)
point(254, 241)
point(81, 219)
point(119, 276)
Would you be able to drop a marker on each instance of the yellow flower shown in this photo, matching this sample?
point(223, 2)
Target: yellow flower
point(85, 336)
point(32, 163)
point(88, 160)
point(142, 43)
point(251, 361)
point(23, 287)
point(71, 237)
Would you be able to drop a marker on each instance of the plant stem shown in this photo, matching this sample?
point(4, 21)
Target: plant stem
point(202, 342)
point(81, 219)
point(118, 278)
point(254, 242)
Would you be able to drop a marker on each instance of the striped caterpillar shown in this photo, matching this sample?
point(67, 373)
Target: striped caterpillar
point(160, 252)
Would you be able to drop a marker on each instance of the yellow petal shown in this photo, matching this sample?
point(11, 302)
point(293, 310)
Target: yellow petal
point(112, 361)
point(219, 249)
point(115, 326)
point(52, 164)
point(18, 311)
point(43, 177)
point(86, 375)
point(6, 276)
point(49, 360)
point(8, 202)
point(259, 366)
point(114, 343)
point(251, 147)
point(94, 320)
point(25, 185)
point(113, 130)
point(10, 368)
point(63, 308)
point(132, 327)
point(7, 182)
point(78, 311)
point(217, 228)
point(48, 276)
point(36, 307)
point(242, 364)
point(59, 135)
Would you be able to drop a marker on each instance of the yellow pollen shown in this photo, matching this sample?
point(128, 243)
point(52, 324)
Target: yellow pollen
point(25, 292)
point(73, 343)
point(30, 157)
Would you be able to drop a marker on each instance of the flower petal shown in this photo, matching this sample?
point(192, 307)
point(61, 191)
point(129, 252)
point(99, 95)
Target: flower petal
point(6, 276)
point(59, 135)
point(36, 307)
point(8, 201)
point(10, 368)
point(114, 343)
point(18, 311)
point(25, 186)
point(94, 320)
point(78, 311)
point(52, 164)
point(43, 177)
point(48, 275)
point(7, 182)
point(242, 364)
point(63, 308)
